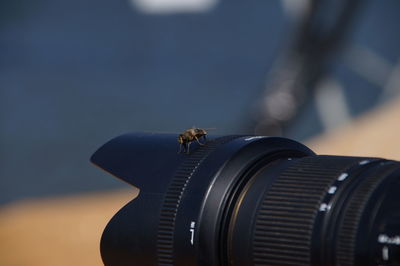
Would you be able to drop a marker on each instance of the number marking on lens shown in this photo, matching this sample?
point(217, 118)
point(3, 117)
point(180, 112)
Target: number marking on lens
point(343, 176)
point(385, 253)
point(324, 207)
point(192, 225)
point(385, 239)
point(332, 190)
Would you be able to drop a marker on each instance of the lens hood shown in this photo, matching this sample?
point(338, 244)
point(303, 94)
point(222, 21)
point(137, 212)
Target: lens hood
point(180, 207)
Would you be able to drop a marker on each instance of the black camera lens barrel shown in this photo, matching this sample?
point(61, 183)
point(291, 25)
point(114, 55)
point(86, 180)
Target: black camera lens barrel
point(249, 200)
point(314, 213)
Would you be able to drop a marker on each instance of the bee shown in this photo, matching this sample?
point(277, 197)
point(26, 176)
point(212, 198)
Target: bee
point(190, 135)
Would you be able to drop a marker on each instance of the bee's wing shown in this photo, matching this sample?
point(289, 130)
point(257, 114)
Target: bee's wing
point(160, 132)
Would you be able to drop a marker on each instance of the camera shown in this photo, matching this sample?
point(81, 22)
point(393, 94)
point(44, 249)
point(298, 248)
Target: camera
point(249, 200)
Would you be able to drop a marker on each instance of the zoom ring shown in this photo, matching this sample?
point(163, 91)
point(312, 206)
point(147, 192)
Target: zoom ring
point(285, 219)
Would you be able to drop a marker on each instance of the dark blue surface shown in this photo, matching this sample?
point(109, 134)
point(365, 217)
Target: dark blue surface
point(74, 74)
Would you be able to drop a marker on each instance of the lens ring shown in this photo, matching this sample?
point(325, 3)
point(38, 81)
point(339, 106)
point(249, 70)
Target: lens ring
point(170, 205)
point(350, 225)
point(327, 224)
point(286, 218)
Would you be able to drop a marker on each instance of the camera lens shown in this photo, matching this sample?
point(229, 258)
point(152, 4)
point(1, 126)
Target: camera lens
point(249, 200)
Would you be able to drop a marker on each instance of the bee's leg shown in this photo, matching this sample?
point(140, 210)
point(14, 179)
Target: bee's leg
point(180, 148)
point(187, 148)
point(198, 141)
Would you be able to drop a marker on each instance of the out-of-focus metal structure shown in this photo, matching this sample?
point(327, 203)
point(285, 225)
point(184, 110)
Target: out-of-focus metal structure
point(319, 36)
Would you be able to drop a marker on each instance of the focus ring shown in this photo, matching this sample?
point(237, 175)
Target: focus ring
point(173, 196)
point(285, 219)
point(352, 213)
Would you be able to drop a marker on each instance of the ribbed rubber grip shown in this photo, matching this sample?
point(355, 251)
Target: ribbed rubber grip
point(286, 217)
point(165, 235)
point(346, 244)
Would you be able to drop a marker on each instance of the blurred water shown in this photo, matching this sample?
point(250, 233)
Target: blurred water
point(75, 73)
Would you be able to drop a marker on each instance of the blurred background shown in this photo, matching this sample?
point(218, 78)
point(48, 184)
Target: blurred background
point(74, 74)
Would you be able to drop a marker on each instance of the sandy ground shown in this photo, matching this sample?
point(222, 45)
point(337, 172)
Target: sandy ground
point(67, 230)
point(375, 134)
point(57, 232)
